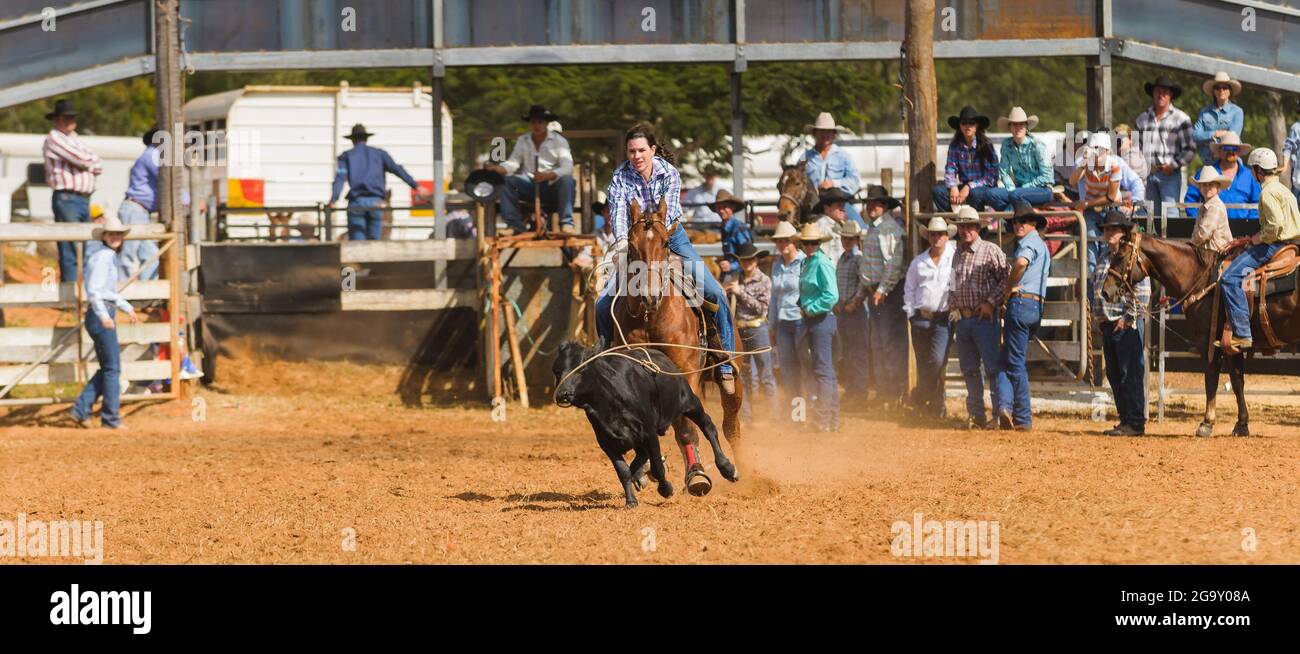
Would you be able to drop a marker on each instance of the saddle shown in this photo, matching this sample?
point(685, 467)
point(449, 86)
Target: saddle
point(1275, 278)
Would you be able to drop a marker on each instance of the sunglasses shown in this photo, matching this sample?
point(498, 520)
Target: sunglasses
point(1228, 148)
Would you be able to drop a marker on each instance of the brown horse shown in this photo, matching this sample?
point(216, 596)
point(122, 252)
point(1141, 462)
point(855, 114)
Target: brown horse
point(1187, 274)
point(798, 194)
point(654, 309)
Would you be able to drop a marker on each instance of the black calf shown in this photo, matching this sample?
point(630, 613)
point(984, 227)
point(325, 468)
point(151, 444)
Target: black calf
point(630, 407)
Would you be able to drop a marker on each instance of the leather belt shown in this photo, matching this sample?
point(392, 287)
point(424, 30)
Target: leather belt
point(752, 324)
point(1027, 296)
point(969, 313)
point(925, 313)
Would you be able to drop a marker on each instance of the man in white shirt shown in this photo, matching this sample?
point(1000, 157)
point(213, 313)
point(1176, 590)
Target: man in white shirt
point(703, 195)
point(540, 157)
point(925, 299)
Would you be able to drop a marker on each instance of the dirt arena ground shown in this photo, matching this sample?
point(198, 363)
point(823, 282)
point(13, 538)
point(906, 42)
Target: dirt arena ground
point(289, 457)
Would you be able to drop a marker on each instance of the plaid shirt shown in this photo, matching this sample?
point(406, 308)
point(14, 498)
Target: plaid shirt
point(964, 168)
point(977, 275)
point(847, 277)
point(1127, 308)
point(882, 255)
point(665, 183)
point(752, 296)
point(1168, 140)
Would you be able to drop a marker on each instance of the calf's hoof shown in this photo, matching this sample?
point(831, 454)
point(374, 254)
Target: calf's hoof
point(665, 489)
point(1205, 430)
point(1242, 429)
point(698, 483)
point(631, 504)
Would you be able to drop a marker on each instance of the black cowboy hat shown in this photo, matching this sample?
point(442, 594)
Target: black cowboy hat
point(538, 111)
point(1164, 81)
point(1024, 212)
point(832, 194)
point(358, 133)
point(748, 251)
point(597, 207)
point(61, 108)
point(879, 194)
point(1117, 218)
point(484, 185)
point(968, 113)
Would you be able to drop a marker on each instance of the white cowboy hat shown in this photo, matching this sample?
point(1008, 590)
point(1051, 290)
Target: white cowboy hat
point(784, 230)
point(1099, 140)
point(825, 121)
point(967, 215)
point(1208, 175)
point(111, 224)
point(1230, 138)
point(1017, 115)
point(812, 233)
point(1221, 78)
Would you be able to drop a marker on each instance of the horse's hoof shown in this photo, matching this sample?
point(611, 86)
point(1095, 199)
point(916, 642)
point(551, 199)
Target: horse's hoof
point(1205, 430)
point(698, 483)
point(639, 483)
point(1241, 430)
point(729, 472)
point(666, 489)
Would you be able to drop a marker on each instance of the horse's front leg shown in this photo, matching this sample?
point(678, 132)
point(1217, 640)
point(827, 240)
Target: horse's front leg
point(1211, 392)
point(1238, 377)
point(688, 439)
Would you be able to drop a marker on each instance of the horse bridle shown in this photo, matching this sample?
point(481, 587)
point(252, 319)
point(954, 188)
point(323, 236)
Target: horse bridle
point(647, 222)
point(806, 185)
point(1132, 257)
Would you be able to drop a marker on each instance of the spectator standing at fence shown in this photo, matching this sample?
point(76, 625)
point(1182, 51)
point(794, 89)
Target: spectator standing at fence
point(100, 322)
point(753, 294)
point(979, 269)
point(1229, 154)
point(1166, 140)
point(70, 171)
point(1121, 335)
point(1100, 174)
point(1025, 171)
point(1133, 157)
point(851, 317)
point(970, 175)
point(699, 200)
point(1023, 297)
point(1291, 153)
point(925, 299)
point(363, 168)
point(1220, 117)
point(818, 294)
point(832, 205)
point(734, 230)
point(882, 274)
point(783, 314)
point(830, 166)
point(1211, 231)
point(140, 202)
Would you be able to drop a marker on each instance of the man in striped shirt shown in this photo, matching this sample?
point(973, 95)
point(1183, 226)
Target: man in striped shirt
point(1100, 173)
point(70, 170)
point(1166, 140)
point(882, 270)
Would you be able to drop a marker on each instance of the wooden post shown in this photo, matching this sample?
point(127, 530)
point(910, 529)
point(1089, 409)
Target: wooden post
point(923, 108)
point(167, 81)
point(516, 358)
point(492, 333)
point(79, 371)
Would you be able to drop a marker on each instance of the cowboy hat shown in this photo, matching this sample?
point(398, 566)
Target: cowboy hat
point(1017, 115)
point(1025, 212)
point(61, 108)
point(748, 251)
point(1263, 158)
point(1174, 89)
point(879, 194)
point(538, 112)
point(1230, 138)
point(112, 224)
point(968, 114)
point(1115, 218)
point(967, 215)
point(811, 233)
point(484, 185)
point(825, 121)
point(725, 197)
point(850, 229)
point(1234, 87)
point(784, 230)
point(1208, 175)
point(938, 225)
point(359, 133)
point(827, 196)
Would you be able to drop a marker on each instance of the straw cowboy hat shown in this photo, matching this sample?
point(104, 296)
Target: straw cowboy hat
point(1208, 175)
point(850, 229)
point(879, 194)
point(1263, 158)
point(1017, 115)
point(358, 133)
point(112, 224)
point(538, 112)
point(1234, 87)
point(725, 197)
point(1174, 89)
point(784, 230)
point(825, 121)
point(1024, 213)
point(1230, 138)
point(748, 251)
point(938, 224)
point(827, 196)
point(966, 114)
point(811, 233)
point(967, 215)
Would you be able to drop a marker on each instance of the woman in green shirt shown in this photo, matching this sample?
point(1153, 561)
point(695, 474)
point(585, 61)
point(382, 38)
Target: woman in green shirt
point(818, 293)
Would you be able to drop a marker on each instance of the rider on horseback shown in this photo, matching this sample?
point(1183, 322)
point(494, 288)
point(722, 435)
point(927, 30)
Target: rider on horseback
point(647, 177)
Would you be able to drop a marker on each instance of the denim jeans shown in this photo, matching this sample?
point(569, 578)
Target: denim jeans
point(1163, 188)
point(1125, 369)
point(518, 187)
point(930, 341)
point(1020, 324)
point(69, 208)
point(365, 219)
point(977, 344)
point(1096, 245)
point(984, 198)
point(1034, 195)
point(789, 340)
point(820, 331)
point(1234, 296)
point(888, 337)
point(106, 382)
point(135, 254)
point(680, 244)
point(853, 330)
point(760, 382)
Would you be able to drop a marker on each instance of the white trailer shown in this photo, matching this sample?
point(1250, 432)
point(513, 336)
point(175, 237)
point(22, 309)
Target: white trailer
point(20, 151)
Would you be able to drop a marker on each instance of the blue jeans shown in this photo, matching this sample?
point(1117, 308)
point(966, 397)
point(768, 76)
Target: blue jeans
point(1034, 195)
point(977, 344)
point(365, 219)
point(69, 208)
point(854, 331)
point(888, 338)
point(1019, 325)
point(1163, 188)
point(853, 214)
point(820, 331)
point(789, 339)
point(106, 382)
point(680, 244)
point(134, 254)
point(1234, 296)
point(517, 187)
point(1125, 369)
point(930, 341)
point(1096, 245)
point(760, 380)
point(983, 198)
